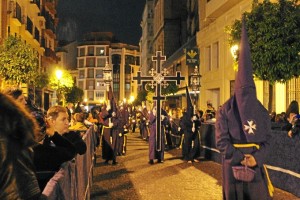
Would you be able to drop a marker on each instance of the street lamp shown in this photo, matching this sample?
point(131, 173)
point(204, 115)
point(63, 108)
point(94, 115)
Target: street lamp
point(195, 81)
point(107, 76)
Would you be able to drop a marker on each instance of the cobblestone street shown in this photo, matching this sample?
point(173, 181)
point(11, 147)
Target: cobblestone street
point(133, 178)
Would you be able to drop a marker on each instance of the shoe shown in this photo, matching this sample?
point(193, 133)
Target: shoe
point(195, 160)
point(114, 162)
point(189, 162)
point(151, 162)
point(106, 162)
point(160, 161)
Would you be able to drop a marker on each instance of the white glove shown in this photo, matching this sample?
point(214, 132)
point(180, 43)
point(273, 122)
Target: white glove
point(194, 118)
point(179, 128)
point(108, 107)
point(162, 117)
point(111, 124)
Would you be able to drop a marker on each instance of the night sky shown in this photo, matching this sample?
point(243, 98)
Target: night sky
point(122, 17)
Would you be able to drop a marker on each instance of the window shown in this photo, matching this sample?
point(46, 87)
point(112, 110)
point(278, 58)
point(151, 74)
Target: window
point(207, 60)
point(101, 62)
point(127, 86)
point(90, 84)
point(91, 73)
point(90, 51)
point(215, 55)
point(90, 62)
point(80, 63)
point(99, 73)
point(80, 84)
point(100, 51)
point(81, 52)
point(91, 95)
point(99, 95)
point(81, 74)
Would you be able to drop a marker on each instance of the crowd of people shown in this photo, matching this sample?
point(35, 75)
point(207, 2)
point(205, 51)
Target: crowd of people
point(43, 141)
point(39, 141)
point(287, 121)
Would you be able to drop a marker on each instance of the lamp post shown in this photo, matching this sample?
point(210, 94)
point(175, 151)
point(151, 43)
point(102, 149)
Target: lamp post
point(107, 75)
point(58, 74)
point(195, 82)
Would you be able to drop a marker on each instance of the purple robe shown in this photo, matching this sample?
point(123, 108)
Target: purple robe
point(243, 120)
point(144, 124)
point(153, 153)
point(107, 147)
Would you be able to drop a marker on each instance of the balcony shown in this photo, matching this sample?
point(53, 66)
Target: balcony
point(215, 8)
point(35, 4)
point(17, 15)
point(50, 53)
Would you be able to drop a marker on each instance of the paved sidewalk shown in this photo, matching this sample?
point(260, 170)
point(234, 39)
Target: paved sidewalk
point(133, 178)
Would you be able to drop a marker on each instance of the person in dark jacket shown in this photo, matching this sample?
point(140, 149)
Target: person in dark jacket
point(17, 172)
point(57, 117)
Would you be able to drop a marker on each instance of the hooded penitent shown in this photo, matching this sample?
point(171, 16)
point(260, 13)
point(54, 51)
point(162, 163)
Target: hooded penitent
point(189, 104)
point(251, 112)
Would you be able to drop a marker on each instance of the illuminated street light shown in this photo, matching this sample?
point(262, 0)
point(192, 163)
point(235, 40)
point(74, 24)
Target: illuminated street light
point(131, 99)
point(234, 51)
point(58, 74)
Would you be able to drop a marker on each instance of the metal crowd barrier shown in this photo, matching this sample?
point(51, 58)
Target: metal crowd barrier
point(283, 161)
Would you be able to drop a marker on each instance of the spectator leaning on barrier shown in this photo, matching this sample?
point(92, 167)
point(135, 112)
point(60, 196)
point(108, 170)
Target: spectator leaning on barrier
point(17, 173)
point(57, 118)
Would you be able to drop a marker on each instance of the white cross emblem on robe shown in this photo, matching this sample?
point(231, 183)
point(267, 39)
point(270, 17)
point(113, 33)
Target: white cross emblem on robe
point(250, 127)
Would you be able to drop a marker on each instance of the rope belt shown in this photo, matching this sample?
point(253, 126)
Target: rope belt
point(269, 183)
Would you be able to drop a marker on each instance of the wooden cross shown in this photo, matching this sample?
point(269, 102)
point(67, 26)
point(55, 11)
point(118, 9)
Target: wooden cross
point(158, 79)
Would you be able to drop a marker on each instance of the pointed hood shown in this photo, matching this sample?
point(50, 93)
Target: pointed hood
point(111, 100)
point(247, 107)
point(189, 104)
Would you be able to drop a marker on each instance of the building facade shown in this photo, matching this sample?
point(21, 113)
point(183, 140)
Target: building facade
point(146, 40)
point(216, 61)
point(34, 21)
point(97, 50)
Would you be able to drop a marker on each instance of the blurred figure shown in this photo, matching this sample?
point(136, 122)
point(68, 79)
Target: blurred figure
point(70, 110)
point(107, 137)
point(17, 173)
point(78, 123)
point(18, 95)
point(293, 119)
point(273, 116)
